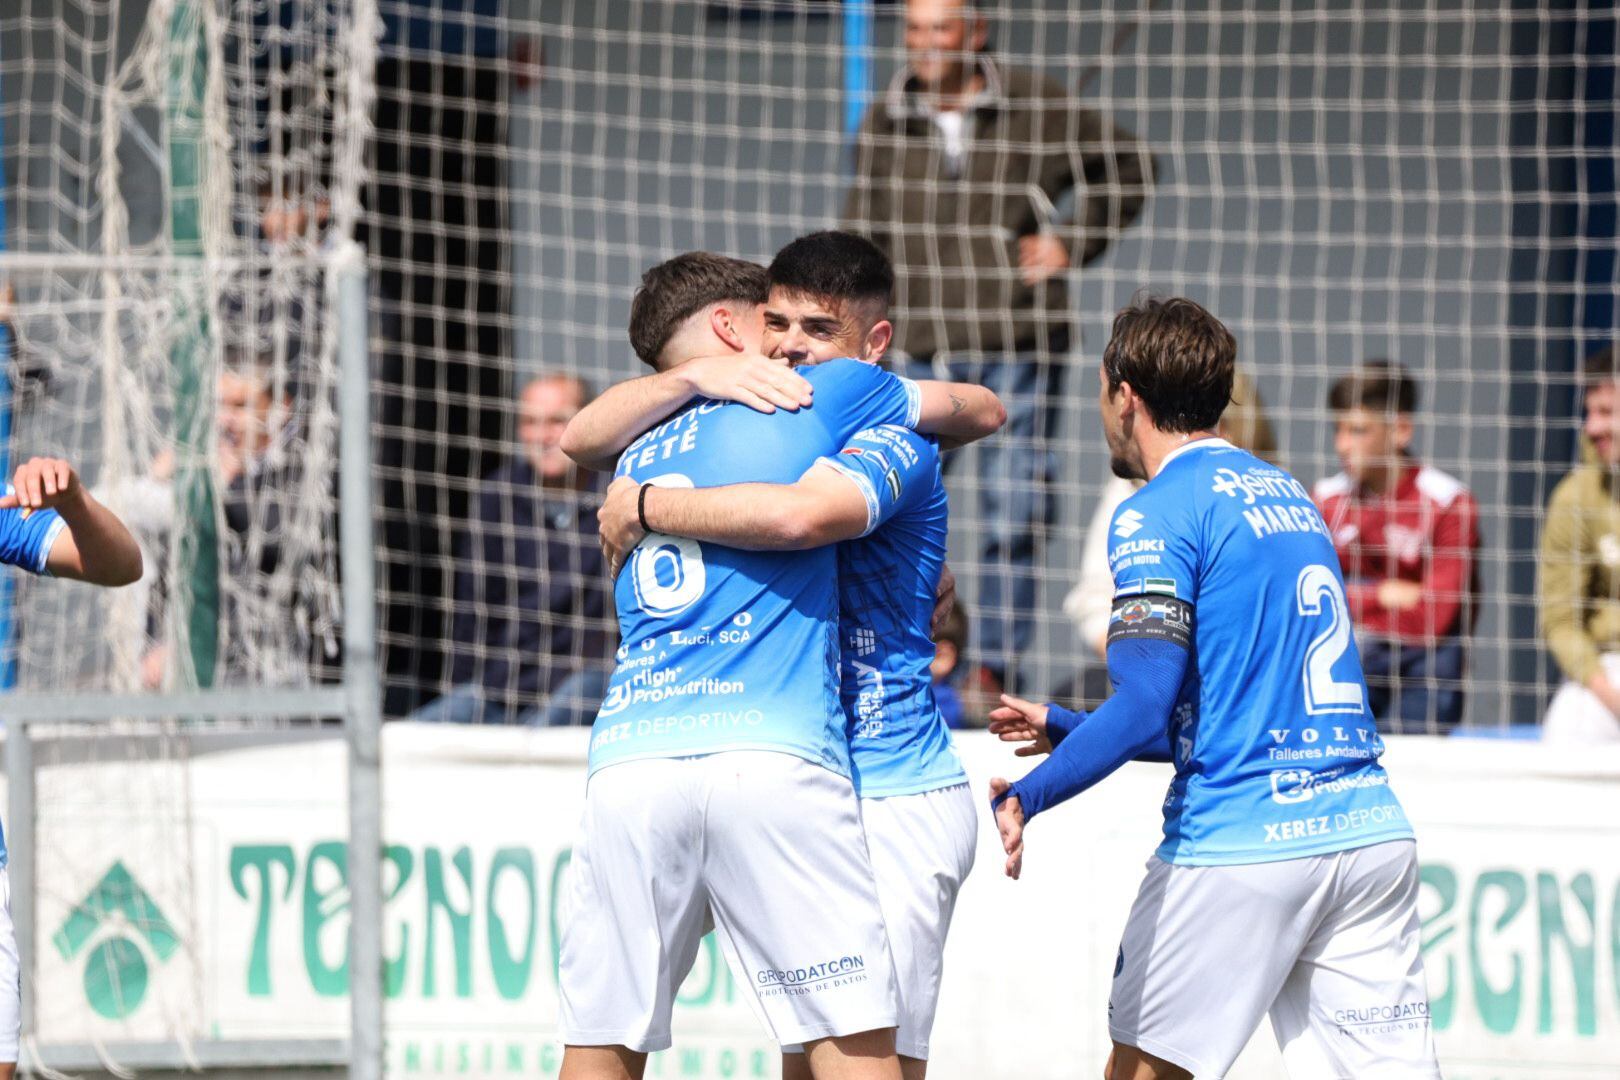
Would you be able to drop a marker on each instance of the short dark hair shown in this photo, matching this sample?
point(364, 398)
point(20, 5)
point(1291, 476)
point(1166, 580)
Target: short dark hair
point(837, 266)
point(1599, 367)
point(1177, 357)
point(1379, 386)
point(678, 288)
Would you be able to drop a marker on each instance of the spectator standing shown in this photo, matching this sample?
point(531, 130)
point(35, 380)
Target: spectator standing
point(532, 638)
point(1407, 536)
point(1580, 573)
point(960, 169)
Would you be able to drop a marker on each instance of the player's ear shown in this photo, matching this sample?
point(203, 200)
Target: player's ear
point(723, 321)
point(877, 341)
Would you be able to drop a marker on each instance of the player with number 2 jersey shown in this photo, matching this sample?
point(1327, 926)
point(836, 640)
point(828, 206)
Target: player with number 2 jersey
point(1287, 876)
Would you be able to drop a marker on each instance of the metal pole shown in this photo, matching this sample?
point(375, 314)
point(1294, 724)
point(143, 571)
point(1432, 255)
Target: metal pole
point(364, 713)
point(20, 846)
point(859, 18)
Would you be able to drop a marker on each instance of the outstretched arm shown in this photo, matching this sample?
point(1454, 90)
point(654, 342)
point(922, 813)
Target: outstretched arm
point(1147, 662)
point(95, 546)
point(598, 434)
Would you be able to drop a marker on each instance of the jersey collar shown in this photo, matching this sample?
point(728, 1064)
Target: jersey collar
point(1211, 443)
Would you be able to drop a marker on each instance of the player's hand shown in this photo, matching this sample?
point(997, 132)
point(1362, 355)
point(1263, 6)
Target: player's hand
point(42, 483)
point(760, 382)
point(1394, 595)
point(1021, 721)
point(1010, 822)
point(619, 522)
point(944, 599)
point(1040, 256)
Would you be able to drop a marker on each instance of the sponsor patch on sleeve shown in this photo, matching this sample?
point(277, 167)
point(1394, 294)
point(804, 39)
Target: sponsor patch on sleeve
point(1152, 615)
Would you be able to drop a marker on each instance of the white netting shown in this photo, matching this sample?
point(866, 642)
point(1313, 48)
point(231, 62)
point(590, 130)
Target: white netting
point(173, 191)
point(177, 172)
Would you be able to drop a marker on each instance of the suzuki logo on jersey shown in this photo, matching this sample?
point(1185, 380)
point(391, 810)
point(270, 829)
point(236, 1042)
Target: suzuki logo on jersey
point(1127, 524)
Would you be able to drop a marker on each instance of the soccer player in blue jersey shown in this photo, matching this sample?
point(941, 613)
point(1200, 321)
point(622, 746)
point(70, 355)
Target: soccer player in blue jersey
point(883, 495)
point(1287, 880)
point(49, 524)
point(719, 768)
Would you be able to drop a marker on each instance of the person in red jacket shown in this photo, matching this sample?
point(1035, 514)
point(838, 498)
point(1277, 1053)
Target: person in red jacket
point(1407, 535)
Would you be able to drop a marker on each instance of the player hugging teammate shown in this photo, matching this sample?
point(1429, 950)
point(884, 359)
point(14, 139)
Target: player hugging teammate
point(745, 759)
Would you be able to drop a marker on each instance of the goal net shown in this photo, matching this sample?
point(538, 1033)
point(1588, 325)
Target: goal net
point(178, 173)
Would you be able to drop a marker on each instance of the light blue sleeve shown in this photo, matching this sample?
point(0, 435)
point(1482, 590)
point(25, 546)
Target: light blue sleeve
point(851, 396)
point(894, 467)
point(26, 538)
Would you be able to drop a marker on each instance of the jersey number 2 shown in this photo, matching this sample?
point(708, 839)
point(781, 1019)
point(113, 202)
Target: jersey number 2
point(1324, 693)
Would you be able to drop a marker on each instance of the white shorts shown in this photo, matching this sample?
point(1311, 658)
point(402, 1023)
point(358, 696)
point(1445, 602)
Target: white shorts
point(1327, 944)
point(922, 849)
point(10, 976)
point(1576, 717)
point(771, 845)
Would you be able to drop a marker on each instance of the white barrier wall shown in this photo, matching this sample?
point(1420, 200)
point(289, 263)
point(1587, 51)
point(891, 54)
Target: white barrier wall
point(1521, 901)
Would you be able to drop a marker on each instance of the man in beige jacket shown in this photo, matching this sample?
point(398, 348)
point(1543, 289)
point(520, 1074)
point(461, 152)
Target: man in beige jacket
point(1580, 572)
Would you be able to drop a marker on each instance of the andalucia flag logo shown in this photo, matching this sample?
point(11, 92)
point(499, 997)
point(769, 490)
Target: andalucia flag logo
point(117, 914)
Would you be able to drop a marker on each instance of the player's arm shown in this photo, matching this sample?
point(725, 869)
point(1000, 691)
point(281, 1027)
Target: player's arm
point(599, 432)
point(821, 507)
point(1147, 662)
point(94, 545)
point(958, 413)
point(878, 473)
point(1041, 728)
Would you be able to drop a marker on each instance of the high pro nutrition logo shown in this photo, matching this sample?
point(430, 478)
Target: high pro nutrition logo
point(114, 928)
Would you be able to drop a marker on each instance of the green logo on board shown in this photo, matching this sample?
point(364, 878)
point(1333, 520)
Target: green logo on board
point(117, 914)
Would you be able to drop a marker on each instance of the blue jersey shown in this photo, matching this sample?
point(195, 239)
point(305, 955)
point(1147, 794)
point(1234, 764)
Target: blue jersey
point(26, 537)
point(25, 541)
point(898, 740)
point(725, 649)
point(1275, 750)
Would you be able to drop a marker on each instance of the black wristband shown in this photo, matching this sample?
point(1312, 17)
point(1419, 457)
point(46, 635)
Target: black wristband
point(641, 508)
